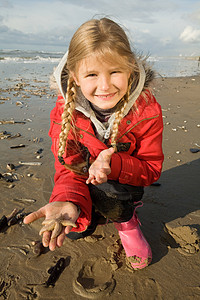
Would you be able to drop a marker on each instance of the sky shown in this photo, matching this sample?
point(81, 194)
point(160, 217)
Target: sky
point(155, 27)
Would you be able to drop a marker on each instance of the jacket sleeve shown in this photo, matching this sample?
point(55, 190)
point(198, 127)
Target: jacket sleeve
point(144, 166)
point(68, 186)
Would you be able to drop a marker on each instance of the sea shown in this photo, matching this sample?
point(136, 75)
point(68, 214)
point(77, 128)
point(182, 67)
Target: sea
point(26, 98)
point(41, 64)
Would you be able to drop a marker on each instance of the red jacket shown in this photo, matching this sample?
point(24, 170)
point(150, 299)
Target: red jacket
point(140, 165)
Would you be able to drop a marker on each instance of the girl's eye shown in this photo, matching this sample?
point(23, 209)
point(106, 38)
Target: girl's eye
point(91, 75)
point(114, 72)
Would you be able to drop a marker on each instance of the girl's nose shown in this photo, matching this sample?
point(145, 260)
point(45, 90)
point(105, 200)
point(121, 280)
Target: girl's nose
point(104, 82)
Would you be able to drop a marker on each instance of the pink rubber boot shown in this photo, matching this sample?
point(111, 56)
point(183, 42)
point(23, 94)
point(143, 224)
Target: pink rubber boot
point(135, 245)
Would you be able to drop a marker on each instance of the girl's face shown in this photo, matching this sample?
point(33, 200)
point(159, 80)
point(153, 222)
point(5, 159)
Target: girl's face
point(102, 83)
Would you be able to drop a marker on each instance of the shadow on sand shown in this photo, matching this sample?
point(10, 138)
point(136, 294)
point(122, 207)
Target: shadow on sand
point(177, 199)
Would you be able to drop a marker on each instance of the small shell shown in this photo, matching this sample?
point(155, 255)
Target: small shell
point(194, 150)
point(31, 163)
point(24, 200)
point(39, 151)
point(37, 247)
point(178, 152)
point(10, 167)
point(29, 175)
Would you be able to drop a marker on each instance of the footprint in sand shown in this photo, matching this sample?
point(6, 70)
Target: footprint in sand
point(186, 238)
point(4, 286)
point(146, 289)
point(93, 238)
point(95, 279)
point(117, 255)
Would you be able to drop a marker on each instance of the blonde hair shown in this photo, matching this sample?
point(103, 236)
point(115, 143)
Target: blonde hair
point(108, 40)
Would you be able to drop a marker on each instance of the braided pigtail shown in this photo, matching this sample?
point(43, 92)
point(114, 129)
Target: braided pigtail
point(67, 124)
point(119, 116)
point(67, 118)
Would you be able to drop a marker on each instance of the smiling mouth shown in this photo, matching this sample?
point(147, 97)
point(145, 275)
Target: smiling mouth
point(107, 96)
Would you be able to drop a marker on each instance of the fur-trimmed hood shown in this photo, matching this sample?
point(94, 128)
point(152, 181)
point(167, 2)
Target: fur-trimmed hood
point(82, 104)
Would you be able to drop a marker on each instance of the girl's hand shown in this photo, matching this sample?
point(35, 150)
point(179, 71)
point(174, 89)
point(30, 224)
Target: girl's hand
point(51, 211)
point(100, 168)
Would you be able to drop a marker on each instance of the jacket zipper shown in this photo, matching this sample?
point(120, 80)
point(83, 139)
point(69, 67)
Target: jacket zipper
point(122, 134)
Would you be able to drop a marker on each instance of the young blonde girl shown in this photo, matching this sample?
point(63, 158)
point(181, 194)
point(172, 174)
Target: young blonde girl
point(106, 132)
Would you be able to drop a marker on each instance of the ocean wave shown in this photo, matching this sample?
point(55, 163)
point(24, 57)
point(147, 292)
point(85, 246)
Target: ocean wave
point(163, 65)
point(35, 59)
point(29, 56)
point(32, 52)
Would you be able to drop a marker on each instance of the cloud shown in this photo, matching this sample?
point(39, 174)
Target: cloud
point(153, 26)
point(195, 16)
point(139, 11)
point(20, 39)
point(190, 35)
point(166, 41)
point(34, 16)
point(5, 3)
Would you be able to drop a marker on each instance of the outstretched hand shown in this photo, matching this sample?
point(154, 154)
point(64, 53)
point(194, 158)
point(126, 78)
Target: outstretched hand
point(52, 211)
point(100, 168)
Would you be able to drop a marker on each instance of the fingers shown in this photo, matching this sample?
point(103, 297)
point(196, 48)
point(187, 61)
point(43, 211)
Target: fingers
point(34, 216)
point(101, 167)
point(68, 229)
point(52, 244)
point(53, 231)
point(58, 242)
point(90, 178)
point(107, 153)
point(47, 240)
point(98, 181)
point(100, 177)
point(106, 170)
point(46, 237)
point(110, 151)
point(61, 237)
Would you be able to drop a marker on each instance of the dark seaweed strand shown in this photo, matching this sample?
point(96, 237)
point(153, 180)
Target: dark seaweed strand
point(55, 272)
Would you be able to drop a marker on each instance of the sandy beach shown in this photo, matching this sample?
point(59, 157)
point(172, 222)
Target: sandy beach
point(96, 267)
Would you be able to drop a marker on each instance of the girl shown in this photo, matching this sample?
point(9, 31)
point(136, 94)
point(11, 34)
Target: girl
point(106, 132)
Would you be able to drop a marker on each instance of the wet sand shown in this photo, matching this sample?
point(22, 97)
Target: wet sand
point(96, 267)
